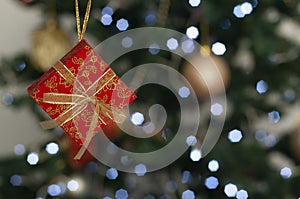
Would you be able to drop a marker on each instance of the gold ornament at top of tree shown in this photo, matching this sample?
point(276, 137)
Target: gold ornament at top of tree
point(48, 44)
point(206, 73)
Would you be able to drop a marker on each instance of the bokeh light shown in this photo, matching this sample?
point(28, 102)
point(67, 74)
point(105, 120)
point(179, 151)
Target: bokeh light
point(137, 118)
point(52, 148)
point(216, 109)
point(19, 149)
point(192, 32)
point(230, 190)
point(191, 140)
point(107, 10)
point(225, 24)
point(286, 172)
point(213, 165)
point(122, 24)
point(186, 176)
point(195, 155)
point(172, 44)
point(211, 182)
point(16, 180)
point(33, 158)
point(150, 19)
point(237, 11)
point(127, 42)
point(106, 19)
point(121, 194)
point(154, 49)
point(194, 3)
point(270, 140)
point(188, 194)
point(246, 8)
point(20, 67)
point(7, 99)
point(260, 135)
point(188, 46)
point(235, 136)
point(184, 92)
point(274, 116)
point(289, 95)
point(112, 173)
point(218, 48)
point(140, 169)
point(242, 194)
point(261, 87)
point(54, 190)
point(73, 185)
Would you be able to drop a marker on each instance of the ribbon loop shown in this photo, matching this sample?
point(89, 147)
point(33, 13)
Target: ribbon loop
point(81, 32)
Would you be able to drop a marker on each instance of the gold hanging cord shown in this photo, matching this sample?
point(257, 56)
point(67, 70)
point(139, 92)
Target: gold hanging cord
point(80, 31)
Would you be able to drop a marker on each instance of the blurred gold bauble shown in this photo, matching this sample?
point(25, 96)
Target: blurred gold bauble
point(49, 44)
point(295, 144)
point(208, 71)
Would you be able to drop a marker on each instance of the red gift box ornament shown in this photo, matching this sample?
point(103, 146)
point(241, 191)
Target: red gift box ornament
point(77, 94)
point(81, 93)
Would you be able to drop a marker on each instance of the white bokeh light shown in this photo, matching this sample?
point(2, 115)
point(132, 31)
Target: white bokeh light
point(140, 169)
point(106, 19)
point(52, 148)
point(274, 116)
point(73, 185)
point(242, 194)
point(122, 24)
point(216, 109)
point(154, 49)
point(211, 182)
point(16, 180)
point(218, 48)
point(191, 140)
point(213, 165)
point(107, 10)
point(195, 155)
point(188, 194)
point(112, 173)
point(184, 92)
point(172, 44)
point(7, 99)
point(270, 140)
point(127, 42)
point(261, 87)
point(137, 118)
point(186, 177)
point(19, 149)
point(246, 8)
point(286, 172)
point(194, 3)
point(235, 136)
point(33, 158)
point(192, 32)
point(121, 194)
point(230, 190)
point(54, 190)
point(188, 46)
point(237, 11)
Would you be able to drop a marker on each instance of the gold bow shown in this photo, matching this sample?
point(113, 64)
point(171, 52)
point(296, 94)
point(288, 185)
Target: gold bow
point(79, 101)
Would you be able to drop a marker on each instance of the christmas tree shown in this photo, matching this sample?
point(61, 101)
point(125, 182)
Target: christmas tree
point(245, 51)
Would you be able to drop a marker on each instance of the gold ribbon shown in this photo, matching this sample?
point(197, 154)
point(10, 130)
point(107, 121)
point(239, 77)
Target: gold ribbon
point(79, 101)
point(80, 31)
